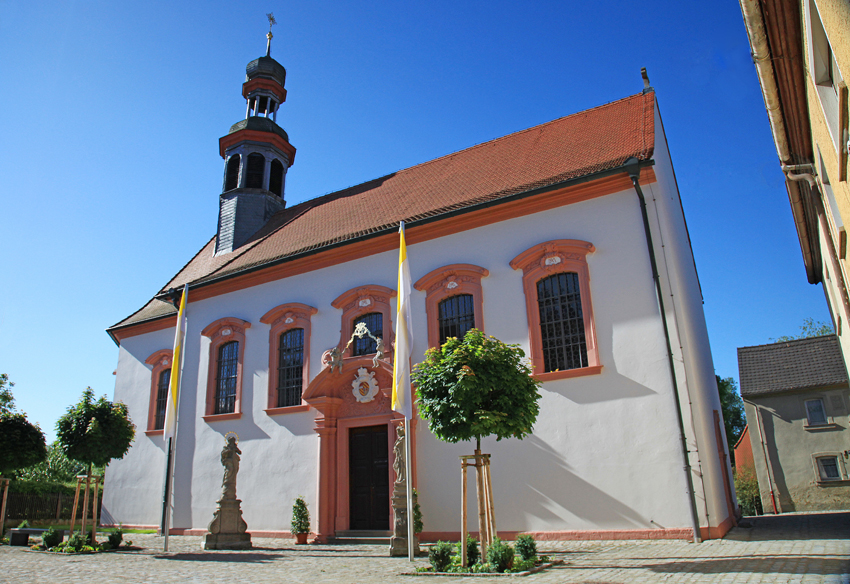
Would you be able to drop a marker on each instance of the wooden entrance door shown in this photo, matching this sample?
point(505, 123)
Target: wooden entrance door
point(368, 467)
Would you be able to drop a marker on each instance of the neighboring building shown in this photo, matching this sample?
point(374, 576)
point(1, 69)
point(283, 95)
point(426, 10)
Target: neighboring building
point(801, 50)
point(538, 238)
point(796, 397)
point(744, 452)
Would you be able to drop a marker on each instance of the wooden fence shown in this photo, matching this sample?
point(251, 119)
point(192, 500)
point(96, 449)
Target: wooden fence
point(41, 507)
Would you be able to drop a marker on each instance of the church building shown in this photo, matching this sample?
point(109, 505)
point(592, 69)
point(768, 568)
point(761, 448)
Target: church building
point(568, 238)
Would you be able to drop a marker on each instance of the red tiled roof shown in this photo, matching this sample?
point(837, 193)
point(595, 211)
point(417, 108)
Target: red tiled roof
point(571, 147)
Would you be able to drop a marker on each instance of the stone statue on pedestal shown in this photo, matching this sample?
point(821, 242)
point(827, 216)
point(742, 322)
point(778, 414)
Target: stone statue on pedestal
point(228, 530)
point(398, 542)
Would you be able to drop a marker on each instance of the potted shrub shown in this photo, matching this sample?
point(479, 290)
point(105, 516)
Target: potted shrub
point(300, 521)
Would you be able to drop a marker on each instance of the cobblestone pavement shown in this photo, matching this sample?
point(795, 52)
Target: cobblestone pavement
point(798, 548)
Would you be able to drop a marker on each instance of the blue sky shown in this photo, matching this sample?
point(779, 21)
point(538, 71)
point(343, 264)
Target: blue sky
point(111, 114)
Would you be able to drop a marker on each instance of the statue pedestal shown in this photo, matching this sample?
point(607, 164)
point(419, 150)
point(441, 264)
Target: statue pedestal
point(227, 530)
point(398, 542)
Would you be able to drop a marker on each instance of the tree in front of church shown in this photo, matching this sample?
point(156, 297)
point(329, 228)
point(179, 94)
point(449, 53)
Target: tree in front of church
point(93, 433)
point(22, 443)
point(475, 387)
point(809, 328)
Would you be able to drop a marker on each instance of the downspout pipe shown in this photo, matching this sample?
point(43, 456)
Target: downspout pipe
point(633, 168)
point(766, 459)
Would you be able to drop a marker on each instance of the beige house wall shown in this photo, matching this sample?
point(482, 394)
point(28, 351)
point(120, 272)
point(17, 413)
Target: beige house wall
point(785, 448)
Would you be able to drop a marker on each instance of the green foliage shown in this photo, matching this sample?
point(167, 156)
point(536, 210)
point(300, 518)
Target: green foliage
point(95, 432)
point(42, 488)
point(418, 525)
point(732, 406)
point(24, 524)
point(440, 556)
point(473, 554)
point(526, 547)
point(809, 328)
point(22, 444)
point(524, 565)
point(51, 538)
point(747, 489)
point(76, 543)
point(115, 538)
point(300, 517)
point(476, 387)
point(501, 555)
point(56, 468)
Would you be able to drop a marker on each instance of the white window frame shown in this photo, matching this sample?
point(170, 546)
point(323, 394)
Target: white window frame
point(809, 421)
point(820, 474)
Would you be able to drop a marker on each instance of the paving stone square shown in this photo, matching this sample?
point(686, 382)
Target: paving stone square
point(794, 548)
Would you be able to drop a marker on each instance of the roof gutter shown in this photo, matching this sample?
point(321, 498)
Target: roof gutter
point(166, 295)
point(754, 21)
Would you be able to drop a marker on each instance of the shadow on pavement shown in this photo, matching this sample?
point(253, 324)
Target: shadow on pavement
point(779, 564)
point(221, 557)
point(792, 526)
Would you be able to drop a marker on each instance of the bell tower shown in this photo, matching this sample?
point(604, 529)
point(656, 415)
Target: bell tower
point(257, 154)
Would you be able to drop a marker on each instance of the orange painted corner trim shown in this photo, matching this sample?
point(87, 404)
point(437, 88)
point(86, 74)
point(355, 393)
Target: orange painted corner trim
point(448, 281)
point(243, 135)
point(287, 410)
point(568, 373)
point(274, 87)
point(222, 417)
point(717, 531)
point(154, 432)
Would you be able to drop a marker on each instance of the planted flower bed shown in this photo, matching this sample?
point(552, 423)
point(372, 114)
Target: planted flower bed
point(52, 541)
point(501, 560)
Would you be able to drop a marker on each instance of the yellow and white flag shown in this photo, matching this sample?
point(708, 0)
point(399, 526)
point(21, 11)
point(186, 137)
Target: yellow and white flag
point(170, 426)
point(402, 400)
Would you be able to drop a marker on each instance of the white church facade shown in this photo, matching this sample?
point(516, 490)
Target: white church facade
point(550, 238)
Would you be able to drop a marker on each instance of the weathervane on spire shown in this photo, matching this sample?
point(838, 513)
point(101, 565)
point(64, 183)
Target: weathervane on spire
point(269, 36)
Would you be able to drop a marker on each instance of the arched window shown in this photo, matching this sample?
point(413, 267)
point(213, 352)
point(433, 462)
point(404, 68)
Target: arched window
point(456, 316)
point(255, 171)
point(161, 398)
point(225, 381)
point(374, 321)
point(276, 178)
point(231, 180)
point(562, 337)
point(561, 322)
point(290, 367)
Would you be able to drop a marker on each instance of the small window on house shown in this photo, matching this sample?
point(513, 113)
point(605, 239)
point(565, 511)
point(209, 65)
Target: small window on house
point(255, 171)
point(231, 180)
point(456, 316)
point(561, 322)
point(374, 321)
point(824, 69)
point(161, 398)
point(290, 367)
point(225, 381)
point(276, 178)
point(815, 412)
point(828, 468)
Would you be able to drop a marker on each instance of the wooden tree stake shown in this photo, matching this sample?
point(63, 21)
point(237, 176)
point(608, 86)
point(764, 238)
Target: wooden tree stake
point(74, 511)
point(490, 506)
point(94, 512)
point(463, 559)
point(85, 504)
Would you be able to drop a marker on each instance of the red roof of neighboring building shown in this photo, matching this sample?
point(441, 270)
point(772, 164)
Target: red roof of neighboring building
point(568, 148)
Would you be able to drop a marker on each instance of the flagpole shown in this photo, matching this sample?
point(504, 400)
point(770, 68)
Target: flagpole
point(408, 439)
point(171, 416)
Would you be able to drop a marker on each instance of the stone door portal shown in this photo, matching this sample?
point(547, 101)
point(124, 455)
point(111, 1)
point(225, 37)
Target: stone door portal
point(369, 485)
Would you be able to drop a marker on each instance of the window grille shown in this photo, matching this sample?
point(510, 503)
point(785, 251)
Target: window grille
point(276, 178)
point(161, 398)
point(225, 382)
point(290, 367)
point(256, 169)
point(231, 180)
point(456, 316)
point(561, 322)
point(375, 323)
